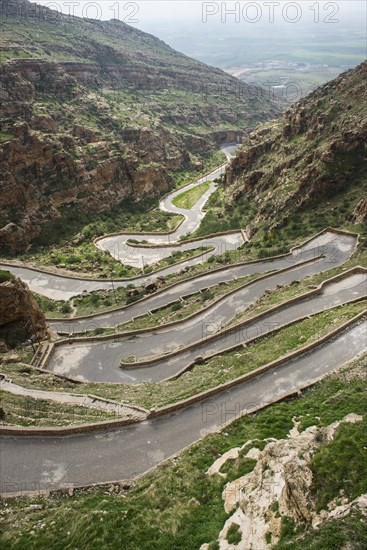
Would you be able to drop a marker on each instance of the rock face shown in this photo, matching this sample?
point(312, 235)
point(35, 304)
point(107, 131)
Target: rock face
point(315, 152)
point(102, 113)
point(20, 316)
point(360, 212)
point(279, 485)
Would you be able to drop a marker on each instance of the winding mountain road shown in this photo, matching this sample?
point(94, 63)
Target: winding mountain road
point(337, 249)
point(170, 366)
point(60, 287)
point(41, 463)
point(34, 462)
point(99, 361)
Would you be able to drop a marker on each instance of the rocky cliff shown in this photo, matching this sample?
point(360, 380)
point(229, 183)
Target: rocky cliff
point(314, 155)
point(279, 486)
point(93, 112)
point(20, 316)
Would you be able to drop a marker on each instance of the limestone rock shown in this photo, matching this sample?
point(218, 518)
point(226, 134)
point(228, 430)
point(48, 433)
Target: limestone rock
point(278, 485)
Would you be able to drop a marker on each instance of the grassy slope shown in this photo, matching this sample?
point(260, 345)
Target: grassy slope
point(27, 411)
point(189, 198)
point(331, 466)
point(5, 276)
point(174, 82)
point(302, 173)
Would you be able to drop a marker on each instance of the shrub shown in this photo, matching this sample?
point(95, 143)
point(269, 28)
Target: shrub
point(95, 299)
point(287, 528)
point(66, 308)
point(5, 276)
point(234, 535)
point(207, 295)
point(73, 259)
point(50, 306)
point(131, 299)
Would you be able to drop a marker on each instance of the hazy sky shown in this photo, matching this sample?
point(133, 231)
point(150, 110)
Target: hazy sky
point(227, 34)
point(144, 13)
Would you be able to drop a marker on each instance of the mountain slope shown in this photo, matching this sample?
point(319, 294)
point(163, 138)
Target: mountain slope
point(308, 169)
point(93, 112)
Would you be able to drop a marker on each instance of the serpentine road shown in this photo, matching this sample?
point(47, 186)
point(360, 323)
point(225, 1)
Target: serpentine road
point(58, 287)
point(337, 249)
point(34, 462)
point(100, 361)
point(38, 463)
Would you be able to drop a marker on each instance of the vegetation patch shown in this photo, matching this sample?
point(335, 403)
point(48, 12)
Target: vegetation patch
point(236, 468)
point(27, 411)
point(189, 198)
point(53, 308)
point(234, 535)
point(348, 532)
point(339, 468)
point(181, 309)
point(6, 276)
point(5, 136)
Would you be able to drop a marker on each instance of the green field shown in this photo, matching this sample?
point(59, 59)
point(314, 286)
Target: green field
point(189, 198)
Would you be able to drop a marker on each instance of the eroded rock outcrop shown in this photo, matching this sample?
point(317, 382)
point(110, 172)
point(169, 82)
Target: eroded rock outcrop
point(279, 485)
point(360, 212)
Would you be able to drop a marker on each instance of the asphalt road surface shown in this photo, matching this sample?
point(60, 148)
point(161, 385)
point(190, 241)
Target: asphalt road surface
point(58, 287)
point(336, 249)
point(100, 361)
point(36, 463)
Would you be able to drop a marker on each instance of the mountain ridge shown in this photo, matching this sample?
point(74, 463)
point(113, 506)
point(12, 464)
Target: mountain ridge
point(312, 157)
point(96, 112)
